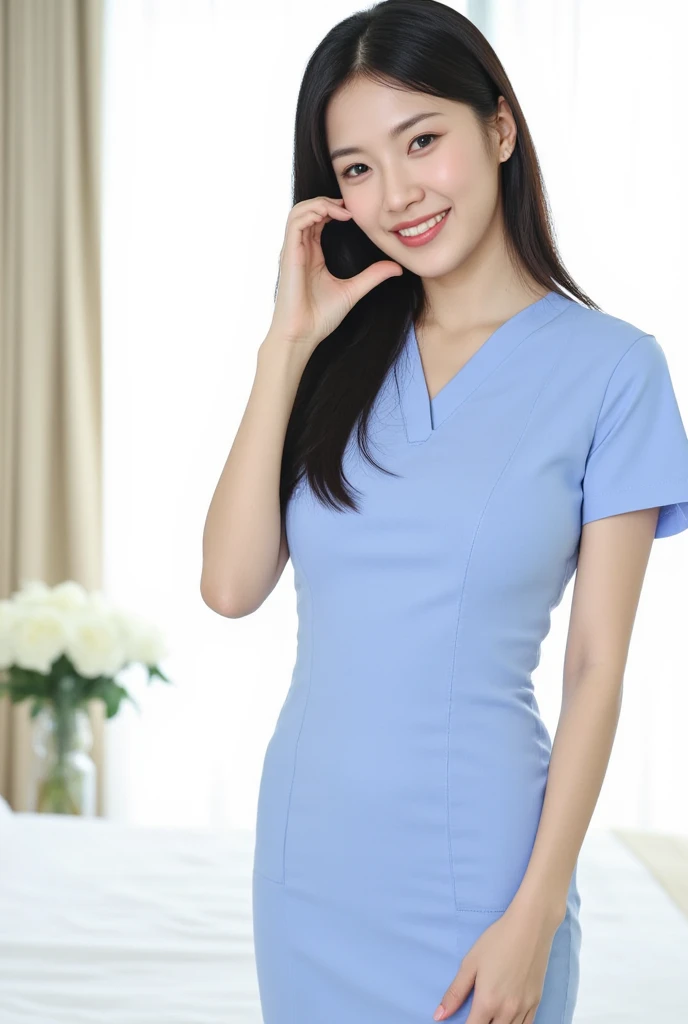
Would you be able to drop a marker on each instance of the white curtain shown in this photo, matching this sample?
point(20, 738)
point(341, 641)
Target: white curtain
point(199, 109)
point(598, 84)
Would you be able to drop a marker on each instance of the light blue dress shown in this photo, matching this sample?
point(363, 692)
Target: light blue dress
point(403, 785)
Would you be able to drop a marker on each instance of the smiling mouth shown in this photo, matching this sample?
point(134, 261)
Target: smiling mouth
point(423, 226)
point(421, 233)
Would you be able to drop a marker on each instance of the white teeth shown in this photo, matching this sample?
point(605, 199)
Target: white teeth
point(425, 226)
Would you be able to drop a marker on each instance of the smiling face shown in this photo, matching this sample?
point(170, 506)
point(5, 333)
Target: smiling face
point(440, 162)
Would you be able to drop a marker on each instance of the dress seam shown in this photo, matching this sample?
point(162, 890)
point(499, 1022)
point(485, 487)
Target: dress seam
point(547, 380)
point(304, 578)
point(564, 1012)
point(608, 385)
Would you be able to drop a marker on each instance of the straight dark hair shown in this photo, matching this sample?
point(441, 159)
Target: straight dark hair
point(420, 46)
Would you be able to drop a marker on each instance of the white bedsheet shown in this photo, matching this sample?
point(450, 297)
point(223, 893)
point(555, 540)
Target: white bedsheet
point(102, 923)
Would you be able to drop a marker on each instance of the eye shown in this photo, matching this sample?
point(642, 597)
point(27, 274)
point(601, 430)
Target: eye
point(427, 135)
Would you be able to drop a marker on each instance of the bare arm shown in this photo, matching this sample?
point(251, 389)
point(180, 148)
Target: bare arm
point(613, 558)
point(244, 545)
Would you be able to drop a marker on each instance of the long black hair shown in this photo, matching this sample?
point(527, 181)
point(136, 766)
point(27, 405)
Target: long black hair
point(423, 46)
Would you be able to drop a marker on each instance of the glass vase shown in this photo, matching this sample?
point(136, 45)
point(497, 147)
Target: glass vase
point(64, 773)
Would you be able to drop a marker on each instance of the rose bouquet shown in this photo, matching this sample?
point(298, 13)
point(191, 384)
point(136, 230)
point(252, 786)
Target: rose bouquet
point(62, 647)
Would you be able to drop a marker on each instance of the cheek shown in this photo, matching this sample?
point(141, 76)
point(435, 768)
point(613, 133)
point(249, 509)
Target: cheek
point(455, 173)
point(362, 211)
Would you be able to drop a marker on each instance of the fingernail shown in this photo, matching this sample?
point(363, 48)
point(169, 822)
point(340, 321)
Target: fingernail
point(439, 1013)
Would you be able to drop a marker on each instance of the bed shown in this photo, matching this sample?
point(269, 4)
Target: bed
point(104, 923)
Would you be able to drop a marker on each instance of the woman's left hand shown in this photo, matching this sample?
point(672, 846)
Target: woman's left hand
point(507, 966)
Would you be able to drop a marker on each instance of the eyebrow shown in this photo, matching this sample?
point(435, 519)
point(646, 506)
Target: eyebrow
point(393, 134)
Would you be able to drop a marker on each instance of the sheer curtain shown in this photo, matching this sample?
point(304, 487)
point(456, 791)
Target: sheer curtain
point(199, 107)
point(595, 82)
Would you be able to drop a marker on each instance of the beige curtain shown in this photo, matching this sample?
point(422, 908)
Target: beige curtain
point(50, 310)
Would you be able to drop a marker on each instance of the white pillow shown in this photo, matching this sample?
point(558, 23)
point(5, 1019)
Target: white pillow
point(5, 808)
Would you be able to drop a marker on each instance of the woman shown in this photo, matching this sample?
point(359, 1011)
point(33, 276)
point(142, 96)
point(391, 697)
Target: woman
point(417, 833)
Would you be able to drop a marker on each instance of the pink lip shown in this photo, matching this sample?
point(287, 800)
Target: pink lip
point(427, 236)
point(414, 223)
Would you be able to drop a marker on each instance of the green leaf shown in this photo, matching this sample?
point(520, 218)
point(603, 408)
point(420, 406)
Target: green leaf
point(24, 684)
point(37, 706)
point(110, 693)
point(154, 672)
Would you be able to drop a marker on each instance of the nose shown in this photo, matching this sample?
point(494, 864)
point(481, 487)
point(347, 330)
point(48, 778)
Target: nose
point(398, 194)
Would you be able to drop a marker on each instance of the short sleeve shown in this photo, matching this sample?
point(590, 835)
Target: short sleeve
point(638, 457)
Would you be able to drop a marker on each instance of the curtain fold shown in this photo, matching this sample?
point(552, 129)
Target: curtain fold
point(50, 321)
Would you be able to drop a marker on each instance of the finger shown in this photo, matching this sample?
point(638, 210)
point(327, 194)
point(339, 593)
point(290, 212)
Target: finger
point(306, 204)
point(481, 1014)
point(313, 216)
point(332, 210)
point(297, 221)
point(300, 230)
point(372, 276)
point(509, 1015)
point(318, 228)
point(458, 991)
point(329, 209)
point(484, 1010)
point(317, 220)
point(323, 221)
point(313, 234)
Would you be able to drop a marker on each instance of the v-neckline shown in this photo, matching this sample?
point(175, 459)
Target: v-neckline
point(422, 414)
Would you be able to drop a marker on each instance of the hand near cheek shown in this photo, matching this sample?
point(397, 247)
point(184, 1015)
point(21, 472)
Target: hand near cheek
point(507, 967)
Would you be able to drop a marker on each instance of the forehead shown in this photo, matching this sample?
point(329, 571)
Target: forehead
point(362, 111)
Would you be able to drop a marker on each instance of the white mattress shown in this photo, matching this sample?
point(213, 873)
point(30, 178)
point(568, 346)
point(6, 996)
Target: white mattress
point(102, 923)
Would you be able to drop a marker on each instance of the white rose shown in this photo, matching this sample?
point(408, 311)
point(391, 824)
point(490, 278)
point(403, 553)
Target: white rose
point(39, 624)
point(40, 635)
point(32, 592)
point(96, 646)
point(147, 644)
point(8, 617)
point(68, 596)
point(143, 642)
